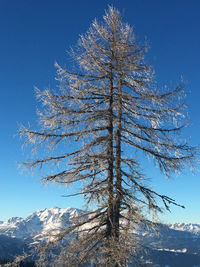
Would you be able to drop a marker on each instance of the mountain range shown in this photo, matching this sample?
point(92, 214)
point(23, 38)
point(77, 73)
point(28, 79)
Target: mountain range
point(172, 245)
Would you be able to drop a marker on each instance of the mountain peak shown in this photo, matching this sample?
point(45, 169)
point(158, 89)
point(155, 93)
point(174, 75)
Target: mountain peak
point(177, 239)
point(41, 222)
point(14, 220)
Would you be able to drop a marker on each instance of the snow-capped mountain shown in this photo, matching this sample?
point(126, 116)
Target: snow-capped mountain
point(46, 220)
point(186, 227)
point(41, 222)
point(176, 243)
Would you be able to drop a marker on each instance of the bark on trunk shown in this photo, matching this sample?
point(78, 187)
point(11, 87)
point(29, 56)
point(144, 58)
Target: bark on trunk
point(110, 162)
point(118, 183)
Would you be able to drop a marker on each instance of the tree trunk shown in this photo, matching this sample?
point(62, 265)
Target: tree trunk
point(118, 182)
point(110, 212)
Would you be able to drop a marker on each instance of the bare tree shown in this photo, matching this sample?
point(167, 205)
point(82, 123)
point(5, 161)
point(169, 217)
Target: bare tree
point(108, 105)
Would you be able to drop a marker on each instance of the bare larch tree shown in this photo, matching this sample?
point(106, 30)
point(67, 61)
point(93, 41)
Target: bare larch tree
point(109, 106)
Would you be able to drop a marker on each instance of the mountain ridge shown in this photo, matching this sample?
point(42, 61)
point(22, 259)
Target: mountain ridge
point(178, 242)
point(44, 220)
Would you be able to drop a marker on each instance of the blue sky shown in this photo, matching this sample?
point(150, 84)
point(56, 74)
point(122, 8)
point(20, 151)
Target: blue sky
point(34, 34)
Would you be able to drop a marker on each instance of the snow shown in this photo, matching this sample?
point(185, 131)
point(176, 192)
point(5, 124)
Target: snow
point(188, 227)
point(41, 223)
point(184, 250)
point(38, 224)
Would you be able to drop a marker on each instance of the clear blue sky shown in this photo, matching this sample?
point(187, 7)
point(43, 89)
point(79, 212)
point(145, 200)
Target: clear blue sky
point(34, 34)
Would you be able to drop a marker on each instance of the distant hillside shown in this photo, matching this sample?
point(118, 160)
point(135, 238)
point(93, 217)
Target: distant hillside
point(174, 245)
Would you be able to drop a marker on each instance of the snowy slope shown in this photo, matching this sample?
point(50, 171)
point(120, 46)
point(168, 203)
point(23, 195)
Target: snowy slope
point(43, 221)
point(186, 227)
point(39, 222)
point(177, 243)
